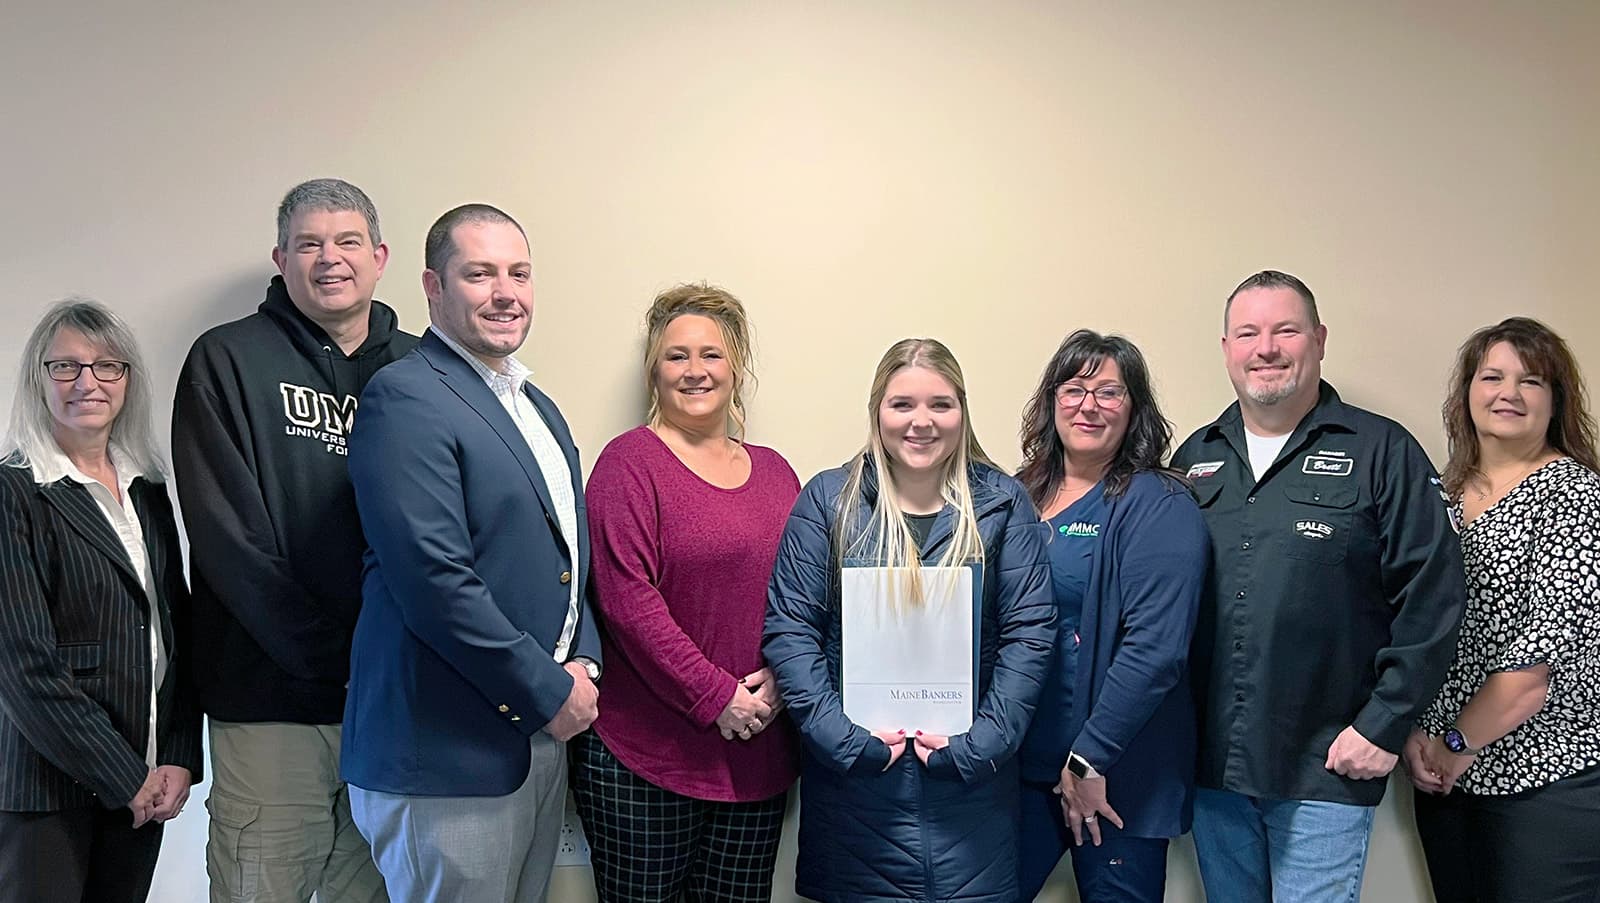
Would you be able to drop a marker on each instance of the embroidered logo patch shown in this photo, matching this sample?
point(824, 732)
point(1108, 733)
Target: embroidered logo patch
point(1079, 528)
point(1204, 469)
point(1327, 465)
point(1313, 529)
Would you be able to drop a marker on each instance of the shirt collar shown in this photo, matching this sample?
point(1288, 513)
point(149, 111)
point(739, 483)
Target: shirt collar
point(54, 465)
point(513, 371)
point(1329, 410)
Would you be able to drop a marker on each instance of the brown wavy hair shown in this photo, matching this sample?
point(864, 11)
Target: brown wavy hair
point(1572, 428)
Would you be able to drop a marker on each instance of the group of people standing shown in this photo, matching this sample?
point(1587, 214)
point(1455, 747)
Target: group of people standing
point(404, 600)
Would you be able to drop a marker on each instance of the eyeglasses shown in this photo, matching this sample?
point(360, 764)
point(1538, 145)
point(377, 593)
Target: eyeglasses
point(1108, 397)
point(104, 371)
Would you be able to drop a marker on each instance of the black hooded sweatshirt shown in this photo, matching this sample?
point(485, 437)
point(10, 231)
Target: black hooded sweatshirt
point(260, 430)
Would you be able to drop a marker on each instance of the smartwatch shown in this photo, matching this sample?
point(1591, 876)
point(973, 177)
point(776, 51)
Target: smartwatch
point(590, 667)
point(1457, 743)
point(1080, 767)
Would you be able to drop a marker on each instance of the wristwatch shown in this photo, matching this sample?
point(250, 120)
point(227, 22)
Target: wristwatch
point(1456, 742)
point(1080, 767)
point(590, 667)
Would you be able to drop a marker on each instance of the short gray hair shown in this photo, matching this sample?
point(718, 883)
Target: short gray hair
point(327, 194)
point(31, 434)
point(1273, 279)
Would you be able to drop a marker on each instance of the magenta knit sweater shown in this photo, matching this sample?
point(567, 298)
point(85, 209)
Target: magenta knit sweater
point(680, 570)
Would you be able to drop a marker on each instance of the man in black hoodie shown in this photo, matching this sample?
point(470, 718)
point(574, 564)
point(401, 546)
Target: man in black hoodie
point(259, 437)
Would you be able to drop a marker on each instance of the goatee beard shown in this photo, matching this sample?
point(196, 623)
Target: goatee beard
point(1271, 396)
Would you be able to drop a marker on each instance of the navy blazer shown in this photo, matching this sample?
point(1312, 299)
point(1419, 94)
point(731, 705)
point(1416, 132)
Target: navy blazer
point(1131, 711)
point(466, 584)
point(75, 648)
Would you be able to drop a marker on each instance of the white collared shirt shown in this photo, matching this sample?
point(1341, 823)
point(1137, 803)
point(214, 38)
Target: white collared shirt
point(124, 521)
point(508, 386)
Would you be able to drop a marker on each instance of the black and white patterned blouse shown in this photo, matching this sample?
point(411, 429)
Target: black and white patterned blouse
point(1533, 596)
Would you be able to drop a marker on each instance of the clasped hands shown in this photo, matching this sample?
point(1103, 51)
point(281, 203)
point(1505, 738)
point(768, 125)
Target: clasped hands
point(581, 708)
point(754, 706)
point(161, 798)
point(1432, 766)
point(924, 746)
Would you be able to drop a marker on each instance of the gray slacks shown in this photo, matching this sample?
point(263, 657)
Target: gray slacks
point(470, 849)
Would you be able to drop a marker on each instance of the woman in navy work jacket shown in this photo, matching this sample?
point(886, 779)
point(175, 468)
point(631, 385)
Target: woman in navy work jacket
point(883, 815)
point(1108, 764)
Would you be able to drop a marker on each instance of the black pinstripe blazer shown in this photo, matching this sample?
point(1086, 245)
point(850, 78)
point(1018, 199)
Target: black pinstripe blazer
point(75, 648)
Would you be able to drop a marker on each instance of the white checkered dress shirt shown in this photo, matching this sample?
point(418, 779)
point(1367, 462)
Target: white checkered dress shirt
point(508, 387)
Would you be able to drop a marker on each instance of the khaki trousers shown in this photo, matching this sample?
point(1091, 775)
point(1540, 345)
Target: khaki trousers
point(280, 818)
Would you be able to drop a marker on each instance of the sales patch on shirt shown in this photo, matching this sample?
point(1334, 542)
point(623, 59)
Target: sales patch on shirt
point(1313, 529)
point(1327, 465)
point(1204, 469)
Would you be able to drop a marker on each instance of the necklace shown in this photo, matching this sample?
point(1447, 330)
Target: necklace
point(1486, 489)
point(1070, 494)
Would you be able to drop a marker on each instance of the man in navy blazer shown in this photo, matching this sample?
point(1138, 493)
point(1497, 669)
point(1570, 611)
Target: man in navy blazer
point(475, 657)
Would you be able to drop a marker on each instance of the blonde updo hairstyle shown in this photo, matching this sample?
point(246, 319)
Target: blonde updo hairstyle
point(718, 304)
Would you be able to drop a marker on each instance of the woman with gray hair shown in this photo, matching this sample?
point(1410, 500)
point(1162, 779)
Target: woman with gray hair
point(99, 734)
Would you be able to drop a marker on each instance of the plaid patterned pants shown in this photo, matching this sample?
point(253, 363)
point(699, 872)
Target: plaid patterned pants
point(650, 845)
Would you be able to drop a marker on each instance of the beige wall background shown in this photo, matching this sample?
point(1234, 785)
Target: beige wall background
point(993, 174)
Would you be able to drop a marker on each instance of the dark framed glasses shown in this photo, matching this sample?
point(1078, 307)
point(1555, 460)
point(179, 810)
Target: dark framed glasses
point(104, 371)
point(1108, 397)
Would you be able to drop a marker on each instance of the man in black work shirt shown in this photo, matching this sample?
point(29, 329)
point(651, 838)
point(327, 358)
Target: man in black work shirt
point(1330, 614)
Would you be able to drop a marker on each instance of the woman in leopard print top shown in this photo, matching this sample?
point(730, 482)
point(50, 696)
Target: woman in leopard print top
point(1507, 759)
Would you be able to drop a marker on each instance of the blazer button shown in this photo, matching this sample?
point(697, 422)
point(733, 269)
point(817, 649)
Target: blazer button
point(516, 717)
point(566, 577)
point(504, 709)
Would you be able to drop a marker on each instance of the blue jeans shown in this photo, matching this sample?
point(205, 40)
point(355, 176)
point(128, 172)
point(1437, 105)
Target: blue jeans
point(1122, 869)
point(1258, 850)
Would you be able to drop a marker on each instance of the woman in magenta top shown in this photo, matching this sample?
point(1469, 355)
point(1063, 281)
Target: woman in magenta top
point(682, 783)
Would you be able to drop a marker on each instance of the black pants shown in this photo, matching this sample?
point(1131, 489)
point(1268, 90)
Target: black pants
point(650, 845)
point(76, 856)
point(1539, 846)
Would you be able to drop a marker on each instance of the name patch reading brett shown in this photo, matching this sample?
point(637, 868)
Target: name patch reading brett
point(1327, 465)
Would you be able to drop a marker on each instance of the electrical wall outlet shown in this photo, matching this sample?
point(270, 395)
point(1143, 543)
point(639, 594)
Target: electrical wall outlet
point(574, 848)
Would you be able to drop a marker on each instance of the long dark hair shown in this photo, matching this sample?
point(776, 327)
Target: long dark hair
point(1572, 429)
point(1149, 434)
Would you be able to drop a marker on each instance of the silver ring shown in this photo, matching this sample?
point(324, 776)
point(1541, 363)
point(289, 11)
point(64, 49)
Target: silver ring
point(1090, 818)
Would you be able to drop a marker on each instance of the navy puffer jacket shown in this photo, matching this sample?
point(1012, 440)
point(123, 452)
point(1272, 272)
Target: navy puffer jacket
point(947, 831)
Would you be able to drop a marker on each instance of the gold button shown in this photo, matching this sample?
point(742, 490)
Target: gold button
point(566, 576)
point(505, 708)
point(516, 717)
